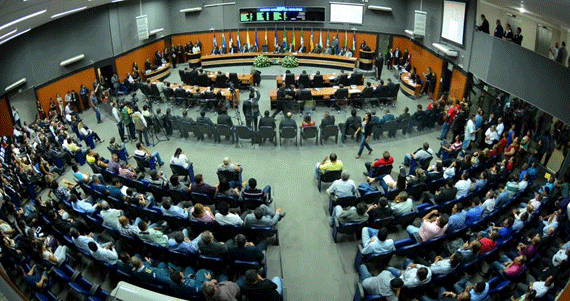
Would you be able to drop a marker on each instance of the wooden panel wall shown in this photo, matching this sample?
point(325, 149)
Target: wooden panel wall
point(71, 82)
point(6, 125)
point(207, 38)
point(421, 58)
point(458, 85)
point(124, 63)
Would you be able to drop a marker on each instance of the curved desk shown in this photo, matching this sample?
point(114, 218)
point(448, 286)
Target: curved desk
point(193, 59)
point(408, 87)
point(245, 79)
point(159, 73)
point(307, 59)
point(318, 93)
point(327, 79)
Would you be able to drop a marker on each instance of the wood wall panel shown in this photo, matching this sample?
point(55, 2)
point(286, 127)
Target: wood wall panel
point(6, 125)
point(458, 85)
point(124, 63)
point(421, 58)
point(207, 38)
point(71, 82)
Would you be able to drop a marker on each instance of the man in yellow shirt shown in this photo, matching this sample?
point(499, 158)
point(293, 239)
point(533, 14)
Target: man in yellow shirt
point(329, 163)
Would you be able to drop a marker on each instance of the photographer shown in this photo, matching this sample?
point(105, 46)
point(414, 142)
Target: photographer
point(250, 108)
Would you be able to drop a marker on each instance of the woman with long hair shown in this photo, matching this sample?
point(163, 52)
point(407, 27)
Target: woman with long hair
point(366, 130)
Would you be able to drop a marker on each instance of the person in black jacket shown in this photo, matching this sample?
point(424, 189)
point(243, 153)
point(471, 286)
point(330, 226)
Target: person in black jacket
point(281, 97)
point(366, 129)
point(484, 25)
point(225, 119)
point(267, 120)
point(327, 120)
point(288, 121)
point(246, 251)
point(257, 288)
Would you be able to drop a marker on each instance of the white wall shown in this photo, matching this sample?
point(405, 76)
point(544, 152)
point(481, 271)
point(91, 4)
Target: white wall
point(529, 24)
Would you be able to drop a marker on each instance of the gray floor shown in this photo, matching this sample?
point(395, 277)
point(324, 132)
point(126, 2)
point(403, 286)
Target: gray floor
point(312, 265)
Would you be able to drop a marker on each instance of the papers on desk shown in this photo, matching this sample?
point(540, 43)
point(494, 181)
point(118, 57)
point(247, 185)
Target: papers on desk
point(354, 91)
point(388, 179)
point(335, 87)
point(353, 86)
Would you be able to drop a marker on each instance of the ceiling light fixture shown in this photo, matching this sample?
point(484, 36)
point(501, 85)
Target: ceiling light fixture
point(69, 12)
point(10, 33)
point(23, 18)
point(16, 35)
point(522, 10)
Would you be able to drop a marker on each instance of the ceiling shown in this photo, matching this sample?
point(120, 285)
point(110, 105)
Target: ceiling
point(11, 10)
point(553, 11)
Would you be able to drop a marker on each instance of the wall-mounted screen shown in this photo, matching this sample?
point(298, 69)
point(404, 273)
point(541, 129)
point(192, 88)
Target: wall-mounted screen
point(453, 27)
point(282, 14)
point(346, 13)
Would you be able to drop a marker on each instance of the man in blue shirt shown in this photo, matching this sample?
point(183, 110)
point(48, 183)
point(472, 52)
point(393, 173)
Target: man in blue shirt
point(375, 241)
point(82, 206)
point(175, 211)
point(182, 244)
point(115, 190)
point(473, 215)
point(457, 218)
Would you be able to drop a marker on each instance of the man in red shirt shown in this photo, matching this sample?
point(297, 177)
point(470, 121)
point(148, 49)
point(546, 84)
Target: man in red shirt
point(488, 243)
point(385, 160)
point(451, 112)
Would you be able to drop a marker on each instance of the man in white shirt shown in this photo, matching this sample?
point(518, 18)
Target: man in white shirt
point(500, 126)
point(106, 255)
point(110, 216)
point(542, 287)
point(402, 204)
point(422, 153)
point(225, 217)
point(413, 274)
point(470, 133)
point(342, 187)
point(489, 203)
point(463, 185)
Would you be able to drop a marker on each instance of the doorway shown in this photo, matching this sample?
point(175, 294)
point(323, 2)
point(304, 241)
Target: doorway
point(106, 72)
point(543, 39)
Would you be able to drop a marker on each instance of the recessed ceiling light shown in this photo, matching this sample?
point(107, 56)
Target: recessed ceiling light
point(23, 18)
point(522, 10)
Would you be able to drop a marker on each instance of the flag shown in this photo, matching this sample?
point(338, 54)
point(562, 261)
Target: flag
point(284, 38)
point(321, 37)
point(302, 39)
point(276, 42)
point(223, 40)
point(256, 42)
point(238, 41)
point(247, 40)
point(231, 40)
point(293, 39)
point(265, 36)
point(353, 42)
point(328, 38)
point(336, 50)
point(215, 41)
point(345, 38)
point(312, 43)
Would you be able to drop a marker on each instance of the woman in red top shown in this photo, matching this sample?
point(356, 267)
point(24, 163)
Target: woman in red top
point(502, 143)
point(511, 150)
point(307, 121)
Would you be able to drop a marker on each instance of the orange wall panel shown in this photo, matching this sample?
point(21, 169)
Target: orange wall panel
point(124, 63)
point(6, 125)
point(421, 58)
point(71, 82)
point(458, 85)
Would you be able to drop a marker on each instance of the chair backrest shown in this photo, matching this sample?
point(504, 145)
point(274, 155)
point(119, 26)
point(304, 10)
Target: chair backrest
point(227, 175)
point(243, 132)
point(342, 93)
point(382, 170)
point(395, 89)
point(391, 125)
point(289, 79)
point(267, 132)
point(180, 93)
point(178, 170)
point(351, 227)
point(306, 95)
point(371, 197)
point(179, 196)
point(203, 128)
point(416, 190)
point(201, 198)
point(264, 48)
point(329, 130)
point(424, 163)
point(356, 79)
point(234, 79)
point(310, 132)
point(304, 80)
point(331, 176)
point(288, 132)
point(379, 223)
point(367, 93)
point(346, 201)
point(157, 192)
point(223, 129)
point(318, 81)
point(226, 232)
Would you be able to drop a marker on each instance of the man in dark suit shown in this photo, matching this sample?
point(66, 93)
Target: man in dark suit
point(397, 56)
point(221, 78)
point(75, 101)
point(267, 120)
point(179, 51)
point(246, 251)
point(209, 247)
point(84, 92)
point(281, 97)
point(420, 113)
point(379, 63)
point(352, 122)
point(233, 49)
point(302, 49)
point(193, 76)
point(341, 93)
point(327, 120)
point(186, 120)
point(304, 79)
point(203, 79)
point(243, 49)
point(342, 78)
point(484, 25)
point(225, 119)
point(499, 30)
point(147, 65)
point(288, 121)
point(517, 38)
point(368, 91)
point(405, 57)
point(404, 115)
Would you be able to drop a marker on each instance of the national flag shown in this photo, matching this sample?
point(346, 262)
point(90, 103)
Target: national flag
point(265, 36)
point(302, 39)
point(215, 41)
point(284, 38)
point(256, 42)
point(321, 38)
point(223, 40)
point(238, 40)
point(345, 38)
point(353, 42)
point(231, 40)
point(247, 40)
point(328, 38)
point(312, 43)
point(293, 39)
point(276, 42)
point(336, 50)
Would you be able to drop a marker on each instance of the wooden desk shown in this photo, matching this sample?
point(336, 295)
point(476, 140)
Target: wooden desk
point(226, 93)
point(246, 79)
point(408, 87)
point(320, 93)
point(308, 59)
point(159, 73)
